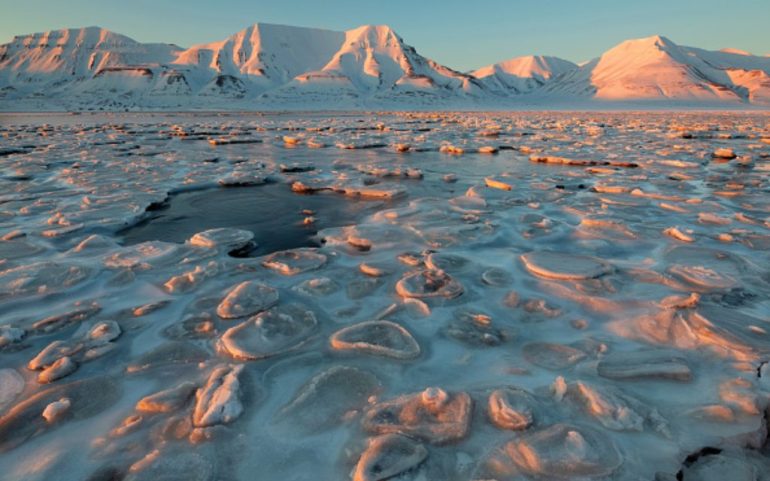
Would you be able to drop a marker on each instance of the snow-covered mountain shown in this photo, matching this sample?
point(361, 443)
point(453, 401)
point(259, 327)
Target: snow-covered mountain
point(656, 68)
point(275, 66)
point(374, 64)
point(523, 74)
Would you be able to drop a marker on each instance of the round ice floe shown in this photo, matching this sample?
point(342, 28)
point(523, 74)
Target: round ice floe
point(317, 287)
point(432, 415)
point(11, 385)
point(40, 278)
point(178, 465)
point(379, 338)
point(561, 266)
point(328, 397)
point(225, 238)
point(17, 249)
point(88, 397)
point(445, 262)
point(247, 298)
point(295, 261)
point(648, 364)
point(269, 333)
point(218, 402)
point(495, 277)
point(703, 277)
point(511, 408)
point(388, 456)
point(552, 356)
point(428, 283)
point(144, 255)
point(612, 409)
point(475, 328)
point(704, 269)
point(168, 354)
point(560, 451)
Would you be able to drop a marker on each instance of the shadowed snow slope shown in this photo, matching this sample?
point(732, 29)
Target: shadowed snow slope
point(276, 66)
point(523, 74)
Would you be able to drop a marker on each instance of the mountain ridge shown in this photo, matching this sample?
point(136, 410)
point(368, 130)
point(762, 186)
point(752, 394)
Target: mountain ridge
point(280, 66)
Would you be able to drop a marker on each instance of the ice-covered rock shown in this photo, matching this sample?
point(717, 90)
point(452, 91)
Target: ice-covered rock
point(218, 401)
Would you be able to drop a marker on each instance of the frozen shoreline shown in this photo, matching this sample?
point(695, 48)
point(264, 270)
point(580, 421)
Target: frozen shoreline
point(588, 286)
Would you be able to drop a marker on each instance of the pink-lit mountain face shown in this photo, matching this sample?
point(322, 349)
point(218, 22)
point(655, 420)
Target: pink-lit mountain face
point(274, 66)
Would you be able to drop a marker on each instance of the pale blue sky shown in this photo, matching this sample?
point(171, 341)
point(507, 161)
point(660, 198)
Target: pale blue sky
point(463, 34)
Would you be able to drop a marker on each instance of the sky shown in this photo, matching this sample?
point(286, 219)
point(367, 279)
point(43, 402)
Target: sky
point(462, 34)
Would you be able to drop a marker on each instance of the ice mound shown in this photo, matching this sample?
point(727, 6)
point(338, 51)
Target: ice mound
point(388, 456)
point(512, 408)
point(229, 239)
point(432, 415)
point(217, 402)
point(428, 283)
point(58, 359)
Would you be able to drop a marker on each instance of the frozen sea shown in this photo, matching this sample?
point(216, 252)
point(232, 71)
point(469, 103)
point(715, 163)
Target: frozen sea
point(385, 296)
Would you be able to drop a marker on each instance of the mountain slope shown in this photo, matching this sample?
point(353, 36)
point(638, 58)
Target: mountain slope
point(375, 64)
point(523, 74)
point(656, 68)
point(41, 61)
point(262, 56)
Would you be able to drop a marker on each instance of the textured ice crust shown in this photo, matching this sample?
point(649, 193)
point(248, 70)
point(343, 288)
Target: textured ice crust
point(530, 296)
